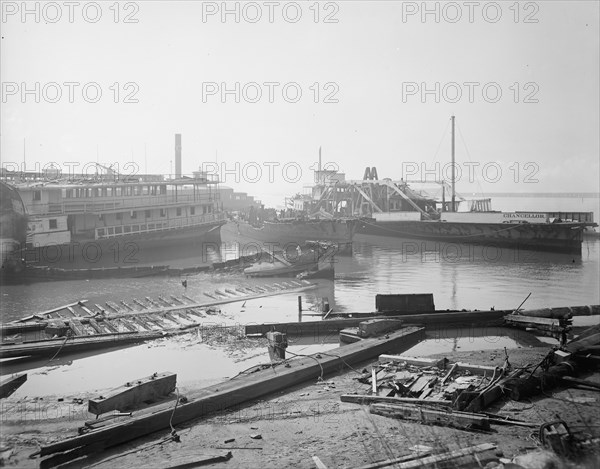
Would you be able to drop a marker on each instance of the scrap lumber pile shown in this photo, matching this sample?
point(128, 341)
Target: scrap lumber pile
point(435, 391)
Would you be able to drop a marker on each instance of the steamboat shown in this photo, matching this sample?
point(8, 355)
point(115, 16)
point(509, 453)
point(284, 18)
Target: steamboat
point(108, 220)
point(393, 208)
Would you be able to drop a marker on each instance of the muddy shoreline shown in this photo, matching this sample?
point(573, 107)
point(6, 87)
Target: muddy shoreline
point(304, 421)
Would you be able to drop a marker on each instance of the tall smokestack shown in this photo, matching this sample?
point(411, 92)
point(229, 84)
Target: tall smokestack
point(177, 155)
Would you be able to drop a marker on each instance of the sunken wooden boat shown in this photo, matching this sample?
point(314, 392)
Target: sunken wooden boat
point(81, 326)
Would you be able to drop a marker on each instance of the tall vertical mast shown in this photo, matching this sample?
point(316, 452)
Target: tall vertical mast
point(453, 209)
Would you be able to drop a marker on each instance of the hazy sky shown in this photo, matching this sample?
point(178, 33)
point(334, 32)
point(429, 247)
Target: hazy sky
point(373, 62)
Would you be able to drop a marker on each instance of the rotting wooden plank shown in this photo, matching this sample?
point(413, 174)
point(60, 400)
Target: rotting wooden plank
point(452, 370)
point(415, 361)
point(164, 300)
point(189, 461)
point(72, 311)
point(126, 324)
point(178, 300)
point(210, 296)
point(141, 324)
point(49, 311)
point(520, 319)
point(107, 325)
point(147, 324)
point(196, 312)
point(477, 369)
point(10, 384)
point(94, 325)
point(242, 389)
point(172, 318)
point(134, 393)
point(108, 305)
point(191, 300)
point(366, 399)
point(77, 327)
point(434, 460)
point(87, 310)
point(432, 416)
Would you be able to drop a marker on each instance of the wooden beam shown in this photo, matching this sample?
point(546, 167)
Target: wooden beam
point(10, 384)
point(415, 361)
point(456, 419)
point(366, 399)
point(134, 392)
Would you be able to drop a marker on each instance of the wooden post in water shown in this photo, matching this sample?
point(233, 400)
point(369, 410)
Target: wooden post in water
point(299, 308)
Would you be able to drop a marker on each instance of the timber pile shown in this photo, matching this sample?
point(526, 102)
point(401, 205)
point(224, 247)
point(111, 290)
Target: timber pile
point(435, 391)
point(82, 326)
point(424, 380)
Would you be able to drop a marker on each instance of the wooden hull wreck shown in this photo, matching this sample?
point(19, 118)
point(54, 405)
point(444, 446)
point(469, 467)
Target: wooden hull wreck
point(81, 327)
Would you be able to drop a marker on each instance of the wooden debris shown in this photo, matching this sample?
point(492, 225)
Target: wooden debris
point(135, 392)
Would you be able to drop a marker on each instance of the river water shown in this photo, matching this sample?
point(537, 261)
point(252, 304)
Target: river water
point(459, 276)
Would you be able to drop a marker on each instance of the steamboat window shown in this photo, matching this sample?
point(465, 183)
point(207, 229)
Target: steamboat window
point(193, 210)
point(37, 195)
point(133, 214)
point(178, 211)
point(53, 224)
point(119, 215)
point(148, 214)
point(163, 212)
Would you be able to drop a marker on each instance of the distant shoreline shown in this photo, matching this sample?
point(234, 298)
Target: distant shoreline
point(573, 195)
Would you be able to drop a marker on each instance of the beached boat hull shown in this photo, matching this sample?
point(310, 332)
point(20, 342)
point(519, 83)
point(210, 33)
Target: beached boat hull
point(557, 237)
